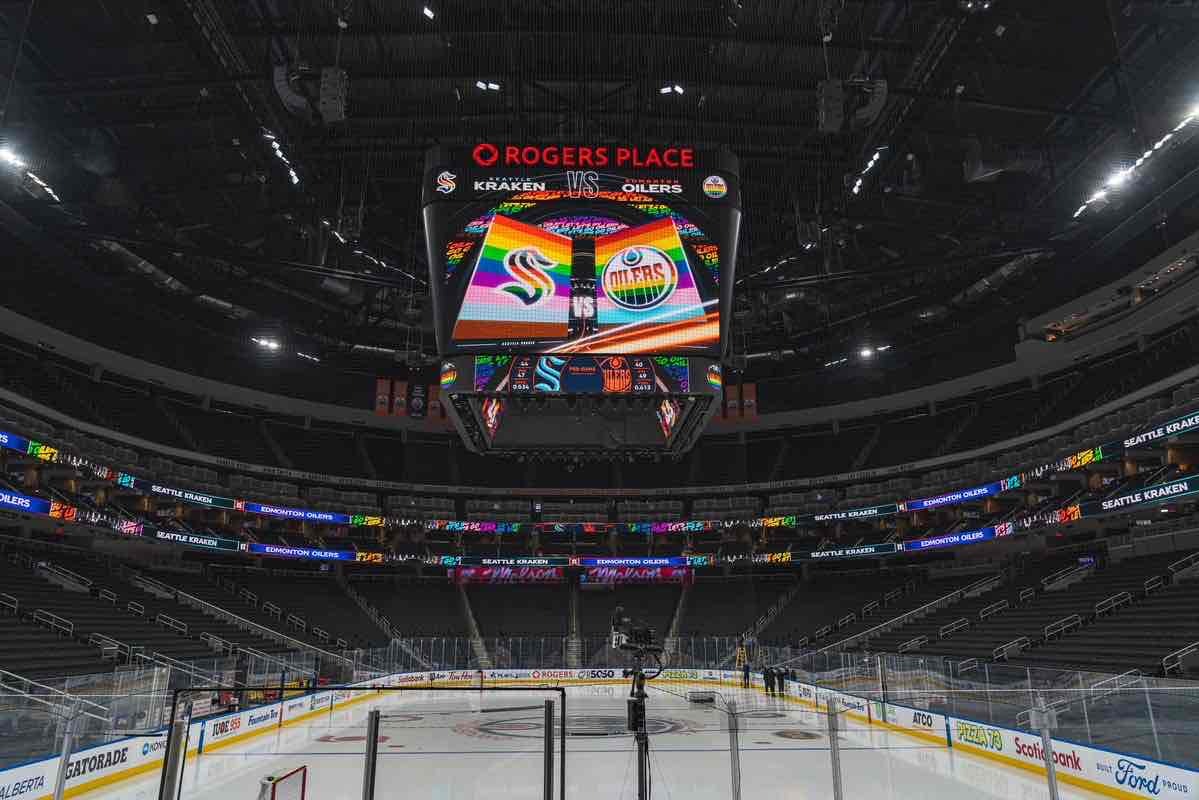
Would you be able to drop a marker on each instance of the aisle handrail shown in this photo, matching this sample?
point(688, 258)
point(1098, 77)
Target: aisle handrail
point(254, 627)
point(869, 633)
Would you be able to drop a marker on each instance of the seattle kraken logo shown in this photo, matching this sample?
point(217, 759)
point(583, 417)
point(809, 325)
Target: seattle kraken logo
point(531, 283)
point(446, 182)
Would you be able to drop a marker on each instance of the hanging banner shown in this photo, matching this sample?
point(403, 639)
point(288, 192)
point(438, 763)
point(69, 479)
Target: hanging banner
point(382, 397)
point(418, 400)
point(399, 394)
point(749, 400)
point(637, 575)
point(465, 575)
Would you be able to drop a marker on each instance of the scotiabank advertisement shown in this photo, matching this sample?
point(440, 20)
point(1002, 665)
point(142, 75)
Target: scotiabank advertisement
point(1090, 768)
point(581, 249)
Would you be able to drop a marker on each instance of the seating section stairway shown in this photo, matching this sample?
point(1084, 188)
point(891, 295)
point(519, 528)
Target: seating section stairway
point(520, 610)
point(917, 597)
point(111, 576)
point(35, 650)
point(653, 605)
point(830, 602)
point(320, 601)
point(429, 607)
point(727, 607)
point(1035, 619)
point(1133, 636)
point(90, 614)
point(939, 627)
point(228, 599)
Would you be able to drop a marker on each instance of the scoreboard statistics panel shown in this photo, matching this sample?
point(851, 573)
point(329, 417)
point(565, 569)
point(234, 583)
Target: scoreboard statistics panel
point(606, 250)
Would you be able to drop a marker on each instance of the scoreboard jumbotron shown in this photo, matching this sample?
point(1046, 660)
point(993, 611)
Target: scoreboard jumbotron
point(581, 293)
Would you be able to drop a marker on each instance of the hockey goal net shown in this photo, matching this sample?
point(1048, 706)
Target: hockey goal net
point(291, 785)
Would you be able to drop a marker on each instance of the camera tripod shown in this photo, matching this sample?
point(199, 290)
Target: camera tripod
point(636, 721)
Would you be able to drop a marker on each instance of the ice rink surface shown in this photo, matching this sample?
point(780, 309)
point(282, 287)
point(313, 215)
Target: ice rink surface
point(467, 745)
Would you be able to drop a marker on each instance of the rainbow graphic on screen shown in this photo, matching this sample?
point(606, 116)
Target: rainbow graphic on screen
point(520, 288)
point(647, 299)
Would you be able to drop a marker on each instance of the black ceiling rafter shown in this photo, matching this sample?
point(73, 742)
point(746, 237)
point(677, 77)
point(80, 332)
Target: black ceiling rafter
point(742, 37)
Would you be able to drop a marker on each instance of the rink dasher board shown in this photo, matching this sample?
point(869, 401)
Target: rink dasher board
point(1097, 770)
point(100, 766)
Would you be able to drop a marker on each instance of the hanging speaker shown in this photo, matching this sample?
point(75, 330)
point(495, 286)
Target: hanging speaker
point(830, 109)
point(334, 83)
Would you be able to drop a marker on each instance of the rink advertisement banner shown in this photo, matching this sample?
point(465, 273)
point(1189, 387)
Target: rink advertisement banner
point(465, 575)
point(919, 722)
point(89, 768)
point(1102, 771)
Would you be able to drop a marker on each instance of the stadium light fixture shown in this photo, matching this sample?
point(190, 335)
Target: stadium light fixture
point(11, 158)
point(308, 357)
point(45, 187)
point(871, 164)
point(866, 352)
point(428, 12)
point(265, 344)
point(1122, 177)
point(671, 88)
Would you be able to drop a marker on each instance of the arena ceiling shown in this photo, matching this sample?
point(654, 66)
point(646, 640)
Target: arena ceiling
point(179, 147)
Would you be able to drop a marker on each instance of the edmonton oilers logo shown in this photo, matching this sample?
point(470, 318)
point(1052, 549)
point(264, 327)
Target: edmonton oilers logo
point(715, 379)
point(640, 277)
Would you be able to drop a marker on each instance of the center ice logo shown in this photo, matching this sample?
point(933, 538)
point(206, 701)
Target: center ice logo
point(640, 277)
point(531, 283)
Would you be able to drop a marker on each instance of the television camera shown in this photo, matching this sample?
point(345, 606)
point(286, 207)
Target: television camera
point(640, 641)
